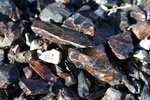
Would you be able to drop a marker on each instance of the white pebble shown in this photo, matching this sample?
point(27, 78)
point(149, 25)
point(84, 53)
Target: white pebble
point(140, 54)
point(145, 44)
point(52, 56)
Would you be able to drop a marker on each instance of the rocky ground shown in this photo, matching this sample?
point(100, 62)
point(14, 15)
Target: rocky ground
point(74, 50)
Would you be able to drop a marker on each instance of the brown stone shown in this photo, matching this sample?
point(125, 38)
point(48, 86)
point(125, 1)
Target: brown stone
point(96, 63)
point(61, 35)
point(79, 23)
point(43, 71)
point(141, 30)
point(121, 45)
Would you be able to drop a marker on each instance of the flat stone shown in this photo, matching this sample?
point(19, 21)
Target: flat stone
point(35, 44)
point(23, 57)
point(70, 80)
point(141, 30)
point(83, 85)
point(9, 10)
point(9, 31)
point(112, 94)
point(80, 23)
point(55, 12)
point(121, 44)
point(33, 87)
point(61, 35)
point(43, 71)
point(96, 63)
point(51, 56)
point(8, 74)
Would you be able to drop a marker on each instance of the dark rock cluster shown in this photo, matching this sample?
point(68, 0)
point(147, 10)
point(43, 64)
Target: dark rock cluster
point(74, 49)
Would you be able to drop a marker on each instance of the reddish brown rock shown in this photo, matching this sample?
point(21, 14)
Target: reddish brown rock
point(121, 44)
point(96, 63)
point(33, 87)
point(43, 71)
point(141, 30)
point(61, 35)
point(80, 23)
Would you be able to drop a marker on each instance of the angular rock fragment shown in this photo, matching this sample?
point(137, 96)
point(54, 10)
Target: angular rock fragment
point(70, 80)
point(52, 56)
point(66, 94)
point(121, 45)
point(140, 54)
point(145, 44)
point(23, 57)
point(145, 95)
point(112, 94)
point(33, 87)
point(43, 71)
point(56, 12)
point(35, 44)
point(9, 31)
point(83, 85)
point(28, 72)
point(96, 63)
point(8, 74)
point(79, 23)
point(138, 14)
point(141, 30)
point(9, 10)
point(60, 35)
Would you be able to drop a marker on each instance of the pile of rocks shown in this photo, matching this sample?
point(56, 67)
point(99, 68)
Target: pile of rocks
point(74, 49)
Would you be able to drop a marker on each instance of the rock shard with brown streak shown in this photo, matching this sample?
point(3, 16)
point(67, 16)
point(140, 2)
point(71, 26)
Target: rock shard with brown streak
point(43, 71)
point(96, 63)
point(121, 44)
point(80, 23)
point(60, 35)
point(141, 30)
